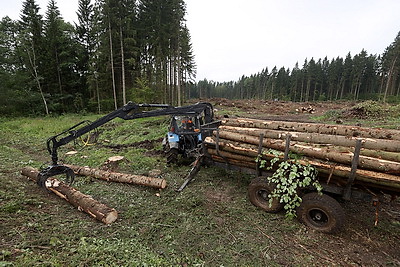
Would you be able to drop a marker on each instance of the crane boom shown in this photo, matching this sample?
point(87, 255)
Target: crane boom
point(129, 111)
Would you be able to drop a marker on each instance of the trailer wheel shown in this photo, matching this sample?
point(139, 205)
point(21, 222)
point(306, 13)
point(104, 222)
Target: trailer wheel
point(172, 156)
point(258, 191)
point(321, 212)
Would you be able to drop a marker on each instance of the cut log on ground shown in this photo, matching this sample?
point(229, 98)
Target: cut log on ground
point(344, 130)
point(120, 177)
point(79, 200)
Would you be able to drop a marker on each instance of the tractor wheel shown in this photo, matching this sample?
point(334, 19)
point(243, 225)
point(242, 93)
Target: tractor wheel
point(172, 156)
point(321, 212)
point(258, 192)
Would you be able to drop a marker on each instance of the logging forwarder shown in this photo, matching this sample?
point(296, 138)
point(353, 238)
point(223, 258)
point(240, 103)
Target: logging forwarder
point(177, 142)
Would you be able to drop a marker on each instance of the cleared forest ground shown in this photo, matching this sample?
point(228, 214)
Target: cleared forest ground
point(210, 223)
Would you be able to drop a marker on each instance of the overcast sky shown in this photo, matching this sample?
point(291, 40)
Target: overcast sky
point(232, 38)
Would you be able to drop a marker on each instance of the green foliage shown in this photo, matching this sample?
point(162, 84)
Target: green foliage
point(370, 109)
point(367, 110)
point(142, 93)
point(210, 223)
point(124, 45)
point(358, 77)
point(289, 177)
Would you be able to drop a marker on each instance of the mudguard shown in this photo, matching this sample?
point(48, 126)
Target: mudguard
point(173, 140)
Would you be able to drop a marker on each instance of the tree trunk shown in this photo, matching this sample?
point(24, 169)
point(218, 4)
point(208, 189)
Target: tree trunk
point(98, 95)
point(112, 67)
point(234, 154)
point(319, 153)
point(122, 66)
point(32, 61)
point(79, 200)
point(179, 78)
point(120, 177)
point(390, 76)
point(338, 140)
point(351, 131)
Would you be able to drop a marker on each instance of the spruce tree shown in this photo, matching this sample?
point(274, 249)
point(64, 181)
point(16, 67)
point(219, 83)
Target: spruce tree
point(31, 44)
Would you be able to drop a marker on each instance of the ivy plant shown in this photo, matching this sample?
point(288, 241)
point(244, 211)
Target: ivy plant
point(289, 177)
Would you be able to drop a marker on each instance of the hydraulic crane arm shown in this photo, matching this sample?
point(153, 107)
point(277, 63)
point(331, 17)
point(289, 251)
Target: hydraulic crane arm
point(127, 112)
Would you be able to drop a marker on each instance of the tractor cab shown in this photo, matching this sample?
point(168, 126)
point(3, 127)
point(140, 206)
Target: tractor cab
point(184, 134)
point(184, 124)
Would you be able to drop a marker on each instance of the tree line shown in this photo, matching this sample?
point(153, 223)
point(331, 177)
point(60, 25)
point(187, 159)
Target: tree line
point(119, 50)
point(361, 76)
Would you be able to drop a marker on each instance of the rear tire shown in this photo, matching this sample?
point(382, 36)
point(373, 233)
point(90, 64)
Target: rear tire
point(172, 156)
point(321, 212)
point(258, 191)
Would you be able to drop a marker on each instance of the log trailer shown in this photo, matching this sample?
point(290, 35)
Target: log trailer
point(348, 160)
point(177, 142)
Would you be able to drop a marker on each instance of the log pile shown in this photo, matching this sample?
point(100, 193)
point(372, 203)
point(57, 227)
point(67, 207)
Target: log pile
point(329, 148)
point(79, 200)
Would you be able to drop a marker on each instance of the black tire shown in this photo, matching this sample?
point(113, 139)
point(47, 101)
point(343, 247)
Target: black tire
point(258, 192)
point(321, 212)
point(172, 156)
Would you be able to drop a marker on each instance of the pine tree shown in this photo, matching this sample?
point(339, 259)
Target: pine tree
point(52, 38)
point(391, 66)
point(86, 38)
point(31, 44)
point(15, 91)
point(61, 77)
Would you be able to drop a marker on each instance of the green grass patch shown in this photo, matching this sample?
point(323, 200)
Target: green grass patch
point(210, 223)
point(368, 114)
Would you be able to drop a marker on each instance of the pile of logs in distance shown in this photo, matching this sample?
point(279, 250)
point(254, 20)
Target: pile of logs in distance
point(329, 148)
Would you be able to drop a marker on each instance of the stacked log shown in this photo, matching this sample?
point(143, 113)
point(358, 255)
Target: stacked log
point(329, 148)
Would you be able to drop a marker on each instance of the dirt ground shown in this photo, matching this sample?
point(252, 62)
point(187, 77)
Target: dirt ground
point(282, 110)
point(360, 243)
point(211, 220)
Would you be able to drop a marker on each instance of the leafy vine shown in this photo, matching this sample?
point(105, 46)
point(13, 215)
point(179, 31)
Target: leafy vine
point(289, 177)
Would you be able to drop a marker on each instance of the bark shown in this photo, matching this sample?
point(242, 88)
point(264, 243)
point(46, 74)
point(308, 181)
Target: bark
point(251, 165)
point(112, 66)
point(390, 156)
point(120, 177)
point(79, 200)
point(230, 155)
point(338, 140)
point(379, 165)
point(345, 130)
point(35, 75)
point(337, 172)
point(122, 66)
point(390, 76)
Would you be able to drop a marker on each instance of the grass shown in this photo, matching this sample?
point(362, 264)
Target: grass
point(210, 223)
point(368, 114)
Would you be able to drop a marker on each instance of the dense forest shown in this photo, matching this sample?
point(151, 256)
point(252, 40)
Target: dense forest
point(119, 50)
point(122, 50)
point(361, 76)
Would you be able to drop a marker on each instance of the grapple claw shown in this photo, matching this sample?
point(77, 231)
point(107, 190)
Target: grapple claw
point(55, 170)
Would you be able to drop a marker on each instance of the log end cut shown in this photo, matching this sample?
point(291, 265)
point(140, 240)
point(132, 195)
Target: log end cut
point(111, 217)
point(163, 184)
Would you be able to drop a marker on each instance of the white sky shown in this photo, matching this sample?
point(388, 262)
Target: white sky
point(232, 38)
